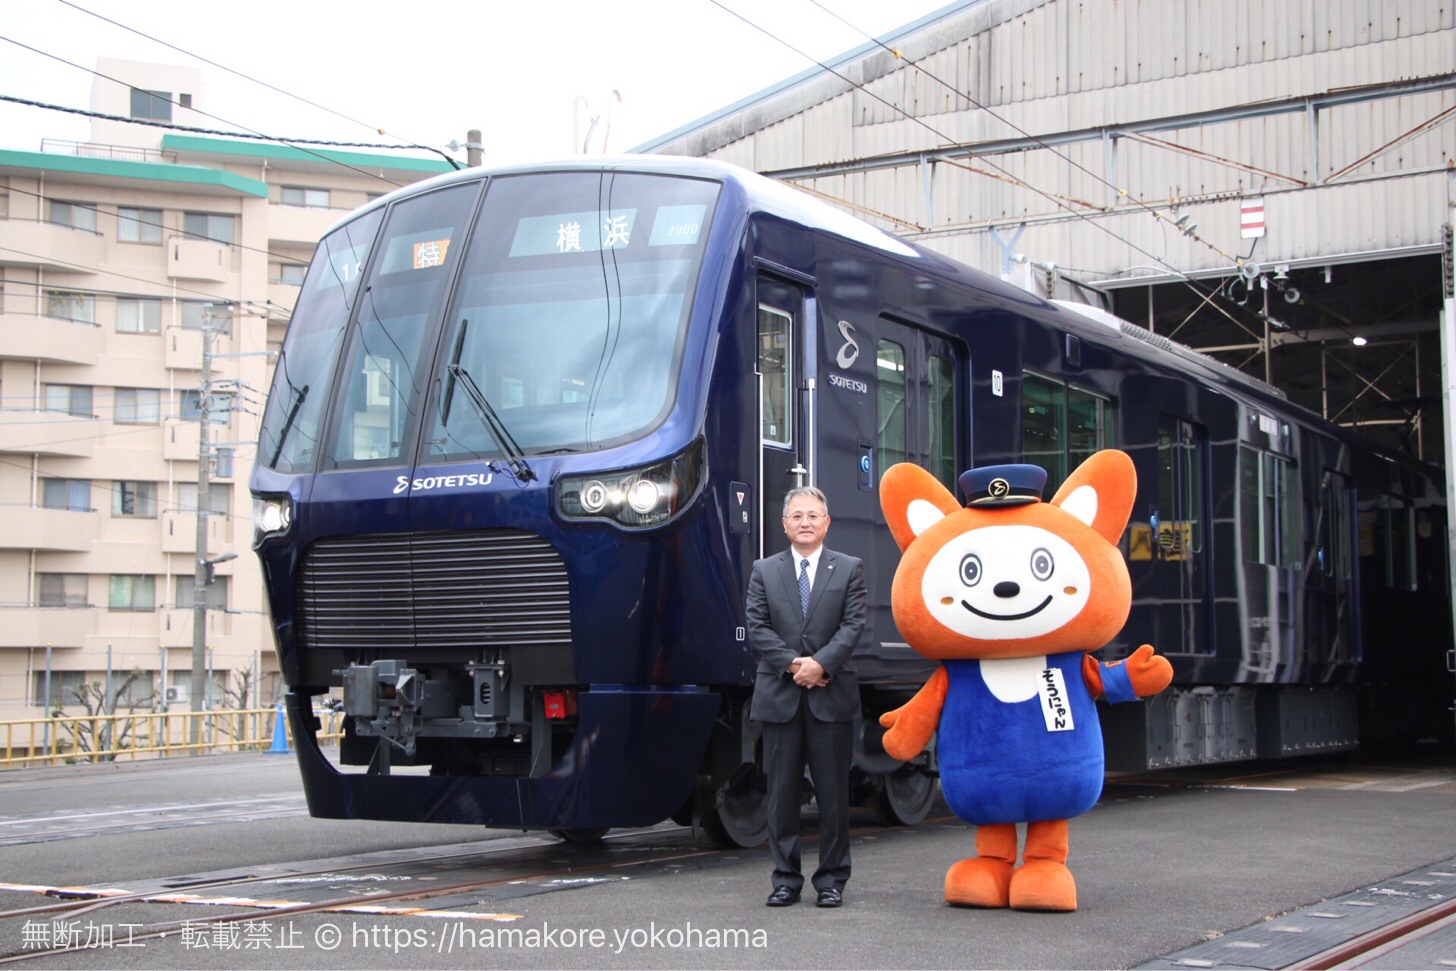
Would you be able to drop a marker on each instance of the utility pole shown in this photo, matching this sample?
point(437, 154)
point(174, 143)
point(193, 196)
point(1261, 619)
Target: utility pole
point(204, 487)
point(474, 148)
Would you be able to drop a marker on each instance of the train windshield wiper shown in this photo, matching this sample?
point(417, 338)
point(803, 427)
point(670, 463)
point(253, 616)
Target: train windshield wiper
point(298, 395)
point(515, 458)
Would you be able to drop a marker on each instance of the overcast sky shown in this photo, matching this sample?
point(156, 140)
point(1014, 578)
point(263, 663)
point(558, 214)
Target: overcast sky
point(529, 73)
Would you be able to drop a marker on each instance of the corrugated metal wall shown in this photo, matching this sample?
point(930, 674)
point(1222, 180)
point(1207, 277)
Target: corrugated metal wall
point(1005, 69)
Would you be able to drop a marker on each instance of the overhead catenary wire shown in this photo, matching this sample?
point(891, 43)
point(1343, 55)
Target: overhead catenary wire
point(171, 126)
point(271, 87)
point(1056, 200)
point(321, 157)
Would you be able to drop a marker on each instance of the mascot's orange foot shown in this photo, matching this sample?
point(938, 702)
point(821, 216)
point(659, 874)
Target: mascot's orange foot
point(1043, 885)
point(978, 882)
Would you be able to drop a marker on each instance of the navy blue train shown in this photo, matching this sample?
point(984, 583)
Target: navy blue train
point(531, 426)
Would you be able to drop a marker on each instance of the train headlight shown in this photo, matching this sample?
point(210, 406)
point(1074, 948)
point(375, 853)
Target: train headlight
point(634, 498)
point(643, 496)
point(593, 497)
point(272, 516)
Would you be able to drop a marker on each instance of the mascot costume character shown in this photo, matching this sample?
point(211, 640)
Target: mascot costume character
point(1010, 593)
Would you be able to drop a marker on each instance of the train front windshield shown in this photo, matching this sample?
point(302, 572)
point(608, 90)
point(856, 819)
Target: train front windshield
point(564, 328)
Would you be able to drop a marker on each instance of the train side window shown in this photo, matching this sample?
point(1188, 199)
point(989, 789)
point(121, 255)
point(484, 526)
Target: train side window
point(1334, 527)
point(1041, 427)
point(1180, 490)
point(1085, 423)
point(1268, 528)
point(776, 370)
point(942, 438)
point(1387, 534)
point(1060, 426)
point(890, 399)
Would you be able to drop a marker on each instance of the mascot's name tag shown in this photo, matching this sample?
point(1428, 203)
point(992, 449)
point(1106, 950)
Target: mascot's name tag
point(1056, 708)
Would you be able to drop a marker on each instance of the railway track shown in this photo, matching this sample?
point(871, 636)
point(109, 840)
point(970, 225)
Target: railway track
point(1385, 941)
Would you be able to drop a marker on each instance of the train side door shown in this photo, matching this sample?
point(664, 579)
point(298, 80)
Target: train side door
point(783, 431)
point(915, 395)
point(1334, 612)
point(1179, 538)
point(915, 390)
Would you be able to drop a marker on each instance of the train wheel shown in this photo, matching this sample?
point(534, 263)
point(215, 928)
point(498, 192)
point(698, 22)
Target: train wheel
point(579, 835)
point(737, 816)
point(903, 797)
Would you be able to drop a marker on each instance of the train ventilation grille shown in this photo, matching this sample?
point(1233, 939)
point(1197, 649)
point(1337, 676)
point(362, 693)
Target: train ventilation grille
point(436, 590)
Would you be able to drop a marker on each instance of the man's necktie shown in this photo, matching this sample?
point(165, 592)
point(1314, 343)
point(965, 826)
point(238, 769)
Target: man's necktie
point(804, 586)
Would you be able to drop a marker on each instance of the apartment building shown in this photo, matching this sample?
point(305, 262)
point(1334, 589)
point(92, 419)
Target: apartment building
point(124, 261)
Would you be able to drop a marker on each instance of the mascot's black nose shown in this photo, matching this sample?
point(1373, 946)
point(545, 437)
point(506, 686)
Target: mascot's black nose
point(1006, 588)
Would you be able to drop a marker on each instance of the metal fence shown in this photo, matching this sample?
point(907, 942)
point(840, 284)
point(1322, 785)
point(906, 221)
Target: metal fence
point(71, 740)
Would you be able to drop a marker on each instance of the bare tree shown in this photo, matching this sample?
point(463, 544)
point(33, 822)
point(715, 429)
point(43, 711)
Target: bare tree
point(93, 739)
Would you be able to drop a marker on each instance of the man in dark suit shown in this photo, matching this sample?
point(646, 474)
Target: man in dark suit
point(806, 608)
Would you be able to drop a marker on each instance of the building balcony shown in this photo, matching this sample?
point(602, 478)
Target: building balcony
point(179, 532)
point(184, 349)
point(47, 530)
point(300, 226)
point(50, 341)
point(175, 626)
point(26, 625)
point(49, 247)
point(180, 440)
point(198, 259)
point(52, 433)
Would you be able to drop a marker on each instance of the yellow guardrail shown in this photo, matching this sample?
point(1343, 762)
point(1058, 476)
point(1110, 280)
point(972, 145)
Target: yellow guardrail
point(69, 740)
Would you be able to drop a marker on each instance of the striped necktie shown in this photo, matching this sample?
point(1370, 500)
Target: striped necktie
point(804, 586)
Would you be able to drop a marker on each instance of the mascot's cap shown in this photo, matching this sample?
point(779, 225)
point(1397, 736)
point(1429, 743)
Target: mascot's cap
point(1003, 485)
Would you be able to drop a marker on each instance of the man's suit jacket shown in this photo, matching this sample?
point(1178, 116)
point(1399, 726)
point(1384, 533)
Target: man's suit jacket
point(780, 632)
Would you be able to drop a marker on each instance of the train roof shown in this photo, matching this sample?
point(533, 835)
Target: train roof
point(772, 197)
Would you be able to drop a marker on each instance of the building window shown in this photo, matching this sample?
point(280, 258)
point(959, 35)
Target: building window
point(208, 225)
point(72, 494)
point(62, 589)
point(137, 406)
point(64, 686)
point(70, 399)
point(219, 407)
point(291, 274)
point(218, 493)
point(132, 592)
point(195, 316)
point(216, 596)
point(137, 499)
point(138, 225)
point(151, 105)
point(76, 215)
point(78, 308)
point(293, 195)
point(138, 316)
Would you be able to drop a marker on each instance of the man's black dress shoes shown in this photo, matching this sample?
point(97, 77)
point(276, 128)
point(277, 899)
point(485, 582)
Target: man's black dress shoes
point(783, 897)
point(830, 897)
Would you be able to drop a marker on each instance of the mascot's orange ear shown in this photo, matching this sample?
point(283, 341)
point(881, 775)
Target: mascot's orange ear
point(1100, 493)
point(913, 500)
